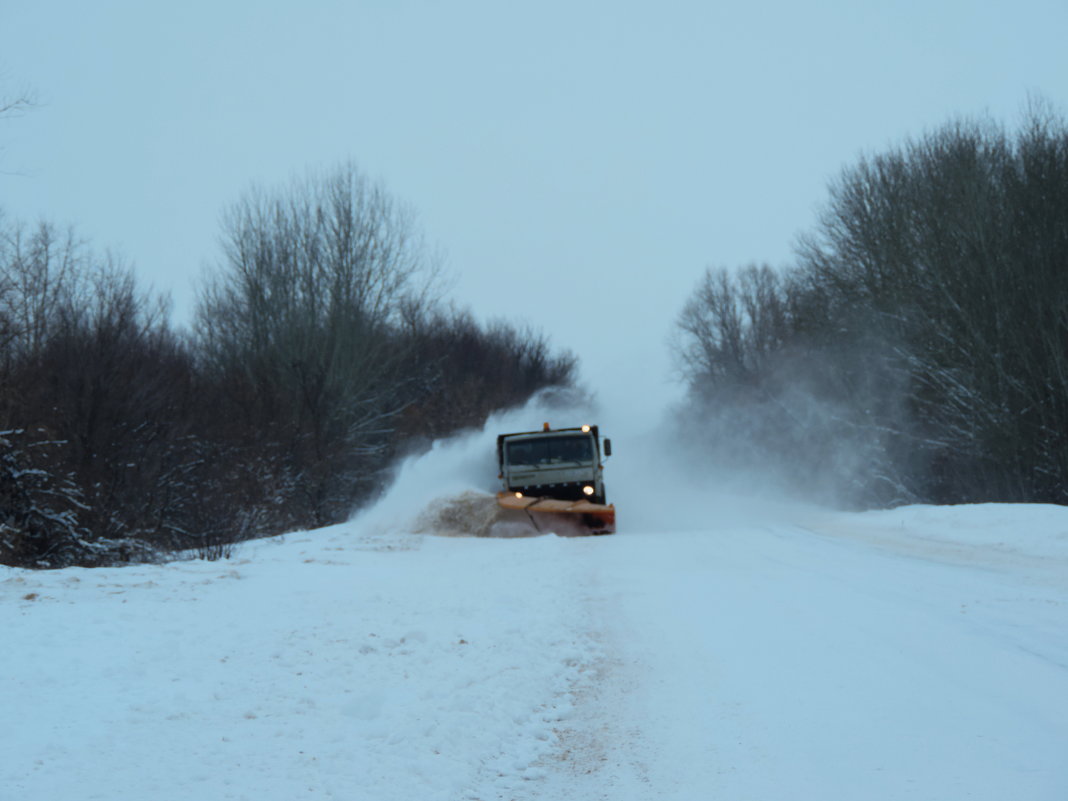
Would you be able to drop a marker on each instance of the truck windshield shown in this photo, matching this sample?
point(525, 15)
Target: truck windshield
point(550, 450)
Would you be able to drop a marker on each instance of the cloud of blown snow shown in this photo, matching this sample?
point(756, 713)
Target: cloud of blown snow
point(467, 462)
point(659, 476)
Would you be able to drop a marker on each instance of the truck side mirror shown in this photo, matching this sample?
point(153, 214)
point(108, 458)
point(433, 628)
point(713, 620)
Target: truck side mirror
point(608, 447)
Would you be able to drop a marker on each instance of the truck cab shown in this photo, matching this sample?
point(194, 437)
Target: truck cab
point(562, 463)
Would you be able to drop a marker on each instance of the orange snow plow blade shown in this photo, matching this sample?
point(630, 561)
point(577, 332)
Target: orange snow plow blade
point(562, 517)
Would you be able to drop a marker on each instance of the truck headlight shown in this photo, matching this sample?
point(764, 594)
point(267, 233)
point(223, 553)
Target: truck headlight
point(588, 489)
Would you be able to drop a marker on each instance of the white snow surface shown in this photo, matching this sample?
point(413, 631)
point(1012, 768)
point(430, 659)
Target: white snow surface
point(720, 646)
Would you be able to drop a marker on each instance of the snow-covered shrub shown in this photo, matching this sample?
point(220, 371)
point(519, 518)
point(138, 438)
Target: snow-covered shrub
point(39, 509)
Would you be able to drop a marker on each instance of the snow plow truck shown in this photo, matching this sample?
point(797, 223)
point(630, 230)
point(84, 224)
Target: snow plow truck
point(555, 477)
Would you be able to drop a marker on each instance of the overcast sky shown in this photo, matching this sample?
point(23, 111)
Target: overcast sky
point(579, 163)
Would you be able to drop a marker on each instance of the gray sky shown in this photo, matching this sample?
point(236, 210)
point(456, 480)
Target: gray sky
point(579, 163)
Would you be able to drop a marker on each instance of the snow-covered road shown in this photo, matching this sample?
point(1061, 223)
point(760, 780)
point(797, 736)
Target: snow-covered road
point(781, 663)
point(770, 653)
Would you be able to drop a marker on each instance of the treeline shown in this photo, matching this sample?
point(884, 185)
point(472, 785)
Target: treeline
point(918, 348)
point(319, 352)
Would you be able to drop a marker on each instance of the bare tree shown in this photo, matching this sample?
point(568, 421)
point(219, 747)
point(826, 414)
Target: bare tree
point(16, 104)
point(42, 272)
point(733, 324)
point(467, 370)
point(94, 392)
point(305, 313)
point(928, 315)
point(955, 245)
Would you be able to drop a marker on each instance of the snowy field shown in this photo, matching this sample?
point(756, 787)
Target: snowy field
point(719, 647)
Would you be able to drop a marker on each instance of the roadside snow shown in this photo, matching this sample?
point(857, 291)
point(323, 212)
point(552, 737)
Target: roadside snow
point(769, 663)
point(325, 664)
point(1006, 534)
